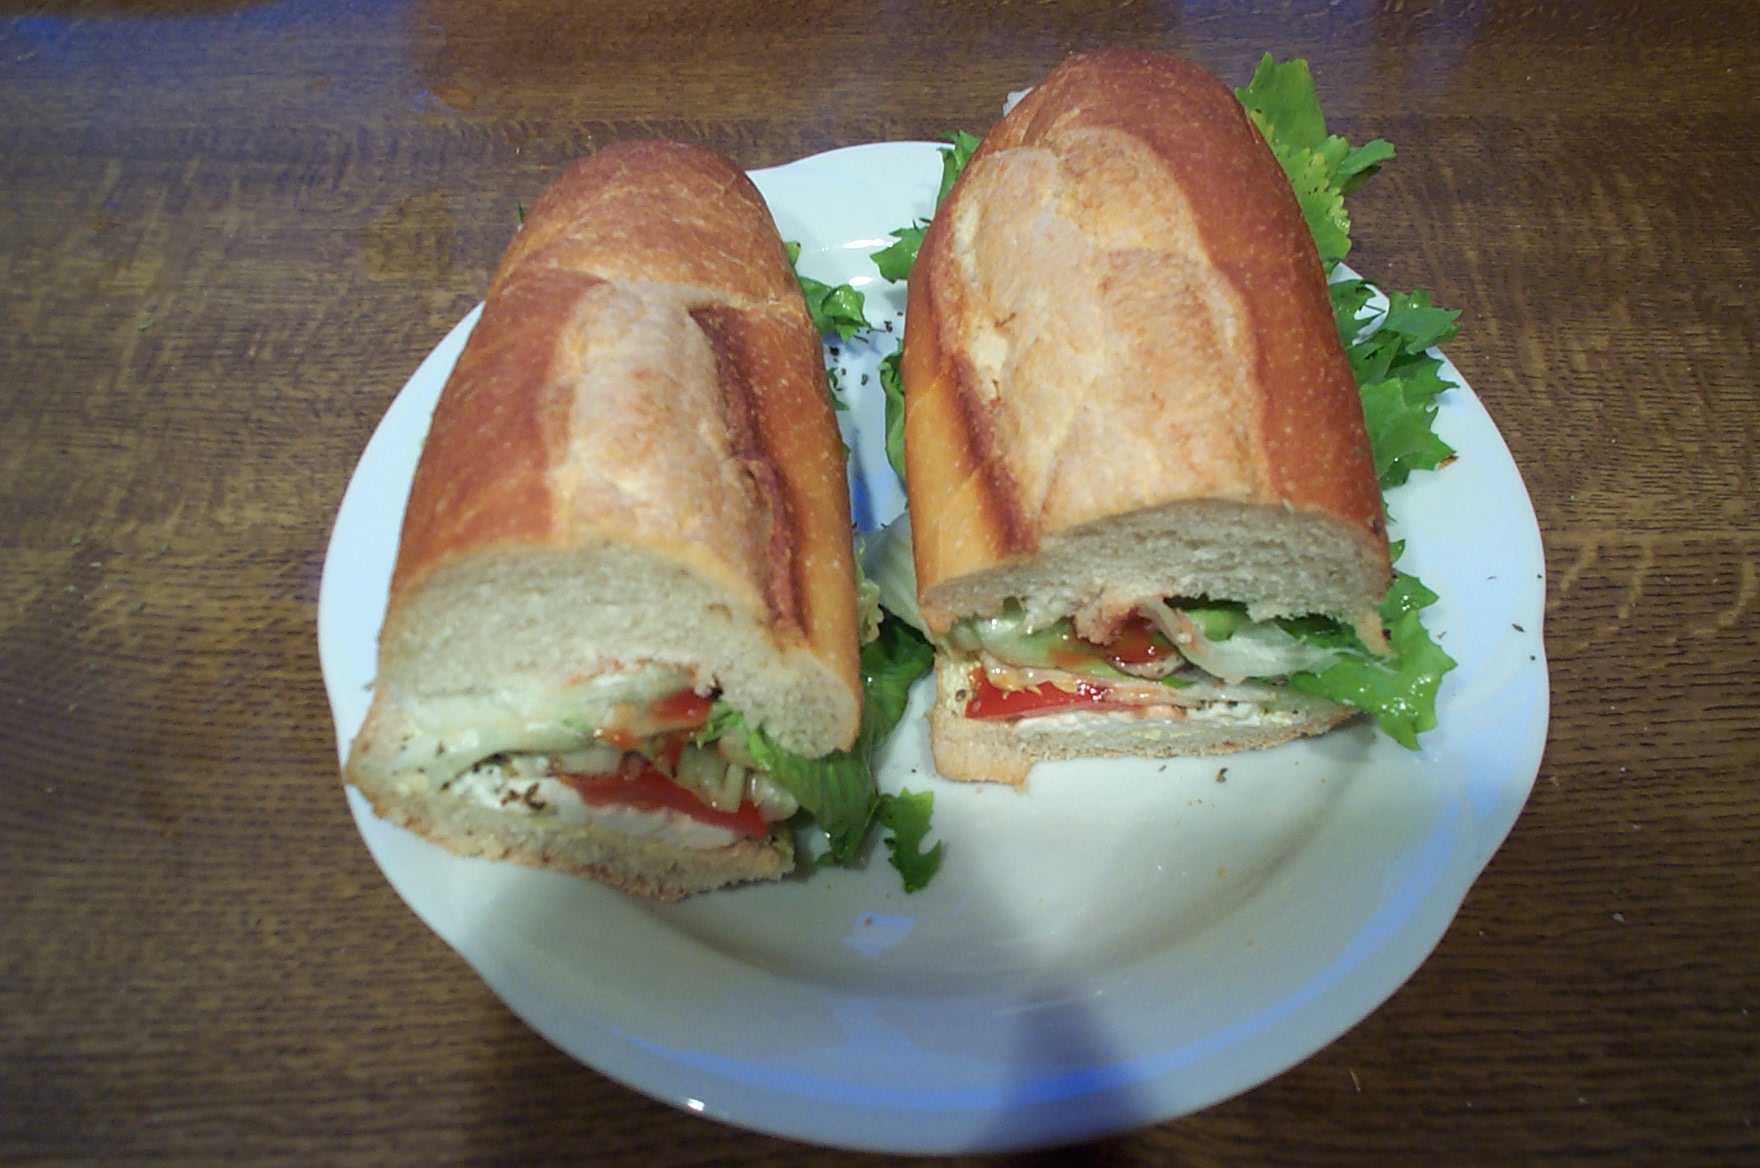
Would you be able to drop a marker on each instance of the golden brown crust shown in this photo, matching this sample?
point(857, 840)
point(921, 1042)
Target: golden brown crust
point(963, 512)
point(781, 374)
point(1130, 211)
point(720, 451)
point(657, 210)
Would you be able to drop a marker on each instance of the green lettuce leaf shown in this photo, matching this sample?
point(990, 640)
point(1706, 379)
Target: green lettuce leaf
point(1400, 381)
point(953, 161)
point(723, 721)
point(1408, 594)
point(896, 260)
point(1322, 168)
point(1400, 692)
point(905, 816)
point(892, 384)
point(1418, 323)
point(837, 789)
point(894, 264)
point(891, 664)
point(1322, 205)
point(1400, 432)
point(1398, 378)
point(836, 308)
point(1282, 99)
point(1350, 300)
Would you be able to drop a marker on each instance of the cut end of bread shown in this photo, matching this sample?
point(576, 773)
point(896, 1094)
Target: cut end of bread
point(1277, 561)
point(537, 621)
point(517, 652)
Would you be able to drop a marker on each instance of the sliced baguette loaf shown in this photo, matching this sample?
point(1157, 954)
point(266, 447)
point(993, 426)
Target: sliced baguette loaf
point(1124, 383)
point(633, 479)
point(1122, 373)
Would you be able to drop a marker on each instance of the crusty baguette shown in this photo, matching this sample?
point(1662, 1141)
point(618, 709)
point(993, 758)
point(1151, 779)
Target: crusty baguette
point(634, 465)
point(1123, 379)
point(1119, 311)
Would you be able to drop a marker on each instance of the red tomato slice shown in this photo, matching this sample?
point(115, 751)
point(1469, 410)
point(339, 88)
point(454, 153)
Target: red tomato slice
point(637, 784)
point(618, 736)
point(1139, 642)
point(989, 703)
point(687, 708)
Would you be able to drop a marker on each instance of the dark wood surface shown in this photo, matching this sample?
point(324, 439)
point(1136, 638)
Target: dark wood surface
point(228, 233)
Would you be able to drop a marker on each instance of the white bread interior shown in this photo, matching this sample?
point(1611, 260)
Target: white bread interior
point(518, 628)
point(1276, 561)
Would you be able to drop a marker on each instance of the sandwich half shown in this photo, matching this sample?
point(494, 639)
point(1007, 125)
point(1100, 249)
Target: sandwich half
point(625, 584)
point(1141, 490)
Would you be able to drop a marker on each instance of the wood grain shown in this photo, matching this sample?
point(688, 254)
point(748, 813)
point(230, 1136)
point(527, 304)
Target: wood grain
point(231, 230)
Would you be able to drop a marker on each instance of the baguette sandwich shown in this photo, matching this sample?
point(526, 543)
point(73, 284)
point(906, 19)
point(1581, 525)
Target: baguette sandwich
point(625, 581)
point(1141, 490)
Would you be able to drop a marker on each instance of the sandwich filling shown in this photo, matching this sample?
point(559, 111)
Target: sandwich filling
point(634, 752)
point(646, 775)
point(1170, 658)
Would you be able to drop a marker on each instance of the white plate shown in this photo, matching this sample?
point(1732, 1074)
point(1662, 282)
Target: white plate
point(1128, 942)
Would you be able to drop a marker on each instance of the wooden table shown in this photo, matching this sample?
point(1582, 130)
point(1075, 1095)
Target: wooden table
point(231, 230)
